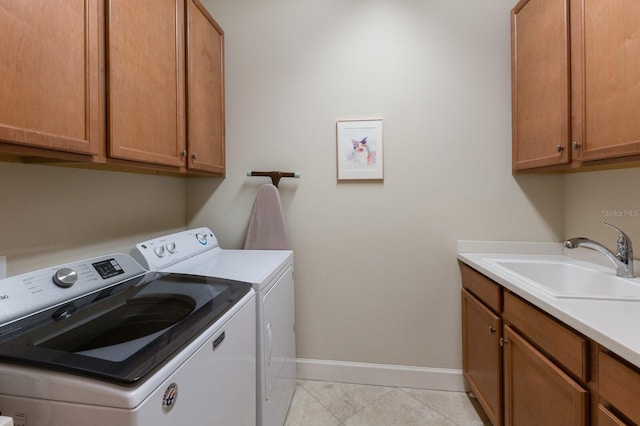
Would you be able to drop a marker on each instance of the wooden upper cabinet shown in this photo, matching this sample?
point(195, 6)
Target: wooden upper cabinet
point(205, 91)
point(606, 78)
point(153, 108)
point(540, 83)
point(575, 83)
point(51, 77)
point(145, 76)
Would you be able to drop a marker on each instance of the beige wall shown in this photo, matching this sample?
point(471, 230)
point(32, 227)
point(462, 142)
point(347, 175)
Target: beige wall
point(376, 276)
point(51, 215)
point(609, 196)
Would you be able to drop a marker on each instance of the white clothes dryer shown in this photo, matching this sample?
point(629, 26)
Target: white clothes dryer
point(270, 272)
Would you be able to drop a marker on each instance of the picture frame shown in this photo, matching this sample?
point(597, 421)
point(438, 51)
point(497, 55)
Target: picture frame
point(359, 150)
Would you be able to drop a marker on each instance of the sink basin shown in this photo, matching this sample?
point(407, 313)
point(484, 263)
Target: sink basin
point(571, 280)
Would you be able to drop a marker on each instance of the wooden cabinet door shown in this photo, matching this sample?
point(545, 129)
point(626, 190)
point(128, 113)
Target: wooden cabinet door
point(606, 77)
point(145, 57)
point(536, 392)
point(205, 91)
point(540, 83)
point(51, 78)
point(482, 359)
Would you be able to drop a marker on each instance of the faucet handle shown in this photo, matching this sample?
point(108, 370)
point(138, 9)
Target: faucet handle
point(624, 242)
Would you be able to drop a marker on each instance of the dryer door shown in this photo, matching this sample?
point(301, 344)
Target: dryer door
point(279, 344)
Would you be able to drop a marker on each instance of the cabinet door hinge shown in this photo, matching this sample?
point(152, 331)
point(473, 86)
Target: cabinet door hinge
point(503, 341)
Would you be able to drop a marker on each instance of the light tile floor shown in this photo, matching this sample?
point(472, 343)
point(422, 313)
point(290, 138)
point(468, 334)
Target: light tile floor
point(343, 404)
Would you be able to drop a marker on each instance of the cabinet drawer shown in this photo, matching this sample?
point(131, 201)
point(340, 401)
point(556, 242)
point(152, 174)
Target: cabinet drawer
point(619, 385)
point(561, 343)
point(482, 287)
point(607, 418)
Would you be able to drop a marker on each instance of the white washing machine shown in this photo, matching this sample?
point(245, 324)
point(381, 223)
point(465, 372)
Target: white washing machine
point(102, 342)
point(270, 272)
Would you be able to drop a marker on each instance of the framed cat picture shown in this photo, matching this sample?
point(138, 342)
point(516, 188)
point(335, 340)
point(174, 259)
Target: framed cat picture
point(359, 150)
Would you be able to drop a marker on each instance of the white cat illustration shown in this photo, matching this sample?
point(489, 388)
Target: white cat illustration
point(361, 155)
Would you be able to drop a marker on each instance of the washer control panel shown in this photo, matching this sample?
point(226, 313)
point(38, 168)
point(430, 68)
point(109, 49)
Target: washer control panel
point(165, 251)
point(28, 293)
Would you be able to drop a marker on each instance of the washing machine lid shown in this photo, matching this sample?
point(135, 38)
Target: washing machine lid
point(123, 332)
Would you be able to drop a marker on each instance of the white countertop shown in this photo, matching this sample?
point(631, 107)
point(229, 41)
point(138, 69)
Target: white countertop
point(614, 324)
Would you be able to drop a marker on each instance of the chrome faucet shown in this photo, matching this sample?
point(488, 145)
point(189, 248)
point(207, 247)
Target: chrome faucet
point(623, 258)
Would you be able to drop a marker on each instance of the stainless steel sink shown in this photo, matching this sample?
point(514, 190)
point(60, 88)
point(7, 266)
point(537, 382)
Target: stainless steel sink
point(570, 279)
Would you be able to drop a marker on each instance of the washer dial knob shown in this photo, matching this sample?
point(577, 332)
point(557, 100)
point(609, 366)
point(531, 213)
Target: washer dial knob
point(171, 247)
point(202, 238)
point(65, 277)
point(159, 251)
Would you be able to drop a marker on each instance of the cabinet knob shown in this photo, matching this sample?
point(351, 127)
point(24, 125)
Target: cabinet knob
point(559, 148)
point(194, 156)
point(576, 146)
point(491, 330)
point(183, 154)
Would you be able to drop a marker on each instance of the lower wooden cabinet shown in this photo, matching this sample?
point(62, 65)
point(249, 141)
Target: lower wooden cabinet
point(619, 388)
point(482, 359)
point(607, 418)
point(524, 366)
point(528, 368)
point(536, 391)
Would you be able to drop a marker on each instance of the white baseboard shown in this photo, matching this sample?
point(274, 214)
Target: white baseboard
point(381, 374)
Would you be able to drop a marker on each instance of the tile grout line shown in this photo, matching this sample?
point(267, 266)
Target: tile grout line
point(481, 415)
point(343, 422)
point(430, 407)
point(348, 397)
point(320, 402)
point(388, 389)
